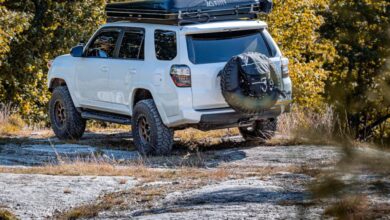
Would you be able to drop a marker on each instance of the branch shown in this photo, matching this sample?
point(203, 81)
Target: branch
point(367, 131)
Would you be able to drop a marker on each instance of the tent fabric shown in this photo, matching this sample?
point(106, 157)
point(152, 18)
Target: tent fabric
point(186, 11)
point(174, 6)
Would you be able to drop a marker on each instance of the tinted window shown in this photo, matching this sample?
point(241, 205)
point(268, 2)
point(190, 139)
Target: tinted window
point(221, 47)
point(166, 45)
point(103, 45)
point(133, 45)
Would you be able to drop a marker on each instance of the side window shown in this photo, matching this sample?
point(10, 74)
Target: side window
point(133, 45)
point(166, 44)
point(103, 46)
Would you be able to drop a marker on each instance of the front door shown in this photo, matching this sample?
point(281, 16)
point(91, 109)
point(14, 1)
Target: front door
point(92, 71)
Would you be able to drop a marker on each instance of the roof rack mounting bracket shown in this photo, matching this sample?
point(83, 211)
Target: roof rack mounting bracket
point(252, 9)
point(180, 16)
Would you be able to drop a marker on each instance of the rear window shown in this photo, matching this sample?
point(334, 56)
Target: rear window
point(221, 47)
point(166, 45)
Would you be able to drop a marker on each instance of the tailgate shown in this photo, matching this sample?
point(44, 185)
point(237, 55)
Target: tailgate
point(206, 88)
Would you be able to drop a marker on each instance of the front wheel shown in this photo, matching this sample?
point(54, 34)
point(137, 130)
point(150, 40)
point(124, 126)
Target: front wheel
point(151, 136)
point(66, 121)
point(260, 131)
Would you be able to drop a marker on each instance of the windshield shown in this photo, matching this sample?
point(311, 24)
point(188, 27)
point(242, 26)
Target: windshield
point(221, 47)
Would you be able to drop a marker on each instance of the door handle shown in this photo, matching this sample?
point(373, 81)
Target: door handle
point(104, 69)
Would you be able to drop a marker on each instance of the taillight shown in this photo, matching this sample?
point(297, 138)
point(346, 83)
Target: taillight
point(285, 70)
point(181, 75)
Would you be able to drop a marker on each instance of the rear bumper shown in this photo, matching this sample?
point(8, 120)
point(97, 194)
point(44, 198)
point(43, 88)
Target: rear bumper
point(211, 119)
point(234, 119)
point(223, 118)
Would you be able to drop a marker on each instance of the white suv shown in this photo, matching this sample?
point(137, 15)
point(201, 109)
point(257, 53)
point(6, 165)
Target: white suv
point(161, 78)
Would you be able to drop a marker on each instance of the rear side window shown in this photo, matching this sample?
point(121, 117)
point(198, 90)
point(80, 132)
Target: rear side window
point(221, 47)
point(103, 46)
point(166, 44)
point(133, 45)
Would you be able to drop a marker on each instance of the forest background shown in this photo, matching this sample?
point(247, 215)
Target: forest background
point(338, 50)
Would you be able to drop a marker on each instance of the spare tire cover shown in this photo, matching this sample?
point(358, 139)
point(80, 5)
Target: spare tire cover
point(250, 83)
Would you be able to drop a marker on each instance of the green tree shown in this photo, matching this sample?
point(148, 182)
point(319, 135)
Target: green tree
point(55, 26)
point(11, 24)
point(294, 26)
point(359, 82)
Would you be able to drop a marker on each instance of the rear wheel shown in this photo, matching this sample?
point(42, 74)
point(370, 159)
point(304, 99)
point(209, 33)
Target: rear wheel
point(66, 121)
point(151, 136)
point(260, 131)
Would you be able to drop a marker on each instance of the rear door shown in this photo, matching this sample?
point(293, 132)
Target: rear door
point(123, 70)
point(209, 54)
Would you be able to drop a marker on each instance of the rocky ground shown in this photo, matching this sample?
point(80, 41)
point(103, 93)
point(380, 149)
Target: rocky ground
point(41, 196)
point(235, 181)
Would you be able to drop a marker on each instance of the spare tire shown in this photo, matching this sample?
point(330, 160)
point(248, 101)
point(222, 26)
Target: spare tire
point(250, 83)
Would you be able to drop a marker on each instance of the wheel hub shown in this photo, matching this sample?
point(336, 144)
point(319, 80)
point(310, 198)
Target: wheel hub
point(60, 113)
point(144, 130)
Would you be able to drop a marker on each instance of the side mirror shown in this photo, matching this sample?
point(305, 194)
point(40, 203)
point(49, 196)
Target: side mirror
point(77, 51)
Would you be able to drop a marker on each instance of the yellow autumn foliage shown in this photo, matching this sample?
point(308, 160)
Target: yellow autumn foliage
point(295, 27)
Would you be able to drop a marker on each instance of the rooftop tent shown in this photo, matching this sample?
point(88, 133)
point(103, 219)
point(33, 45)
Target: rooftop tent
point(186, 11)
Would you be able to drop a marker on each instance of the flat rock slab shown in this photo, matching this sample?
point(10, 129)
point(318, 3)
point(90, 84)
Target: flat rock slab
point(41, 196)
point(271, 197)
point(274, 197)
point(251, 211)
point(264, 156)
point(41, 154)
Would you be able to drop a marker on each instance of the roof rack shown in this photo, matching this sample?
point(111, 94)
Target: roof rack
point(183, 12)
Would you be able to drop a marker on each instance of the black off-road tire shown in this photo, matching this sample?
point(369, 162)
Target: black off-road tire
point(234, 96)
point(73, 125)
point(160, 136)
point(261, 131)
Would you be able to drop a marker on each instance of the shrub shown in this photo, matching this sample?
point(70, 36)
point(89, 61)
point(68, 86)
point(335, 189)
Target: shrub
point(307, 125)
point(7, 215)
point(10, 124)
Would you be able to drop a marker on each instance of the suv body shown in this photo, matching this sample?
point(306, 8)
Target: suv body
point(115, 78)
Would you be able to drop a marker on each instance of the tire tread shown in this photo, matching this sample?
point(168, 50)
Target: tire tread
point(75, 124)
point(164, 141)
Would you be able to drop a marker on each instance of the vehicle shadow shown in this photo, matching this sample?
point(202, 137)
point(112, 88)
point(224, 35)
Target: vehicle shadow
point(230, 198)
